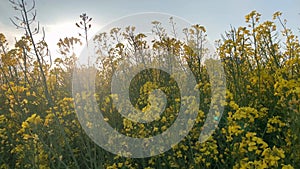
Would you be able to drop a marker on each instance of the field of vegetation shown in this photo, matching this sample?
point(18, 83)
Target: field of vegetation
point(259, 127)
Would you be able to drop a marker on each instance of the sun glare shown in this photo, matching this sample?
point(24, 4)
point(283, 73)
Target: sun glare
point(57, 31)
point(61, 30)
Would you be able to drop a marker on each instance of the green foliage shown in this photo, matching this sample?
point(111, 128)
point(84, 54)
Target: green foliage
point(259, 127)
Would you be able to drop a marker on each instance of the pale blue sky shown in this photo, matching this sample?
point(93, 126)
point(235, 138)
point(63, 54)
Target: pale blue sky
point(58, 16)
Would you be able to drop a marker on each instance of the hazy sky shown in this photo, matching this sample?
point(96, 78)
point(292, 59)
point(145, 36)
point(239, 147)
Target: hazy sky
point(59, 16)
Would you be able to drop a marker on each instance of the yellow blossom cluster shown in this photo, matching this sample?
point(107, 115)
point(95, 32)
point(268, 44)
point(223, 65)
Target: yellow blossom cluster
point(259, 127)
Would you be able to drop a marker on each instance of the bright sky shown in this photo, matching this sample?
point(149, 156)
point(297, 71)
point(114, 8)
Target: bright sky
point(58, 17)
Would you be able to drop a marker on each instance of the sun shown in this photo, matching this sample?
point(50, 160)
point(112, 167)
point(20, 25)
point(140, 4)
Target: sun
point(60, 30)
